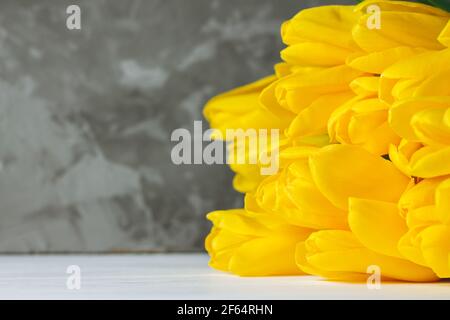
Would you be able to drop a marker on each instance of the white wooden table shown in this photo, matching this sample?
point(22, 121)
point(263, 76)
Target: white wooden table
point(175, 276)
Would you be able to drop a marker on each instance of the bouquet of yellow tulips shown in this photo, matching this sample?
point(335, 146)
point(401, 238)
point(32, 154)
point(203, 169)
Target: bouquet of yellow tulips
point(362, 104)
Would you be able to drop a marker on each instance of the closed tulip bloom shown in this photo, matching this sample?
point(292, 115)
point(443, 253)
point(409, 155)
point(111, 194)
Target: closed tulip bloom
point(363, 120)
point(388, 43)
point(402, 156)
point(293, 194)
point(339, 255)
point(426, 207)
point(391, 31)
point(401, 24)
point(417, 76)
point(241, 109)
point(248, 174)
point(362, 103)
point(369, 197)
point(423, 119)
point(314, 96)
point(319, 41)
point(313, 191)
point(320, 36)
point(249, 243)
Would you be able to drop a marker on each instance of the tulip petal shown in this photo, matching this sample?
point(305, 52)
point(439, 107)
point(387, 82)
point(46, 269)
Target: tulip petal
point(380, 140)
point(443, 202)
point(420, 195)
point(420, 65)
point(422, 31)
point(301, 259)
point(314, 210)
point(435, 246)
point(365, 86)
point(242, 222)
point(325, 24)
point(377, 225)
point(402, 112)
point(430, 162)
point(435, 85)
point(315, 54)
point(298, 91)
point(377, 62)
point(313, 119)
point(266, 257)
point(339, 251)
point(342, 171)
point(409, 246)
point(430, 127)
point(444, 37)
point(241, 109)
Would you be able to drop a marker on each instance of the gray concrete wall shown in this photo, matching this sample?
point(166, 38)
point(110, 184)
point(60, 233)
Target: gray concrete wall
point(86, 117)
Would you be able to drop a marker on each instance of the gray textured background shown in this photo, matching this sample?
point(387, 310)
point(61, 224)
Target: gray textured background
point(86, 117)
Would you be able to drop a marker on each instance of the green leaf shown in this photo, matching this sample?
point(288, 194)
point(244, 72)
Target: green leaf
point(443, 4)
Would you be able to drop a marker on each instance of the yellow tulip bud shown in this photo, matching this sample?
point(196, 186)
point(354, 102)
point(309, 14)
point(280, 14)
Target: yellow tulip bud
point(250, 243)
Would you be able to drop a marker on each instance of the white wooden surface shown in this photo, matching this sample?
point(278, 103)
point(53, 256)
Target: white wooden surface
point(177, 276)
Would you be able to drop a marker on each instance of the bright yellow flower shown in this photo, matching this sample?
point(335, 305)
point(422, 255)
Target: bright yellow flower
point(241, 109)
point(248, 176)
point(402, 24)
point(338, 255)
point(422, 75)
point(319, 42)
point(366, 189)
point(314, 188)
point(422, 114)
point(405, 29)
point(249, 242)
point(314, 96)
point(363, 120)
point(294, 195)
point(426, 207)
point(335, 210)
point(320, 36)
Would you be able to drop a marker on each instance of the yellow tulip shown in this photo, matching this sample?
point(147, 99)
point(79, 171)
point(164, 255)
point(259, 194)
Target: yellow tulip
point(319, 41)
point(365, 188)
point(314, 188)
point(402, 154)
point(293, 195)
point(241, 109)
point(314, 96)
point(363, 122)
point(401, 24)
point(249, 243)
point(338, 255)
point(248, 175)
point(320, 36)
point(423, 118)
point(426, 207)
point(405, 29)
point(342, 171)
point(333, 209)
point(422, 75)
